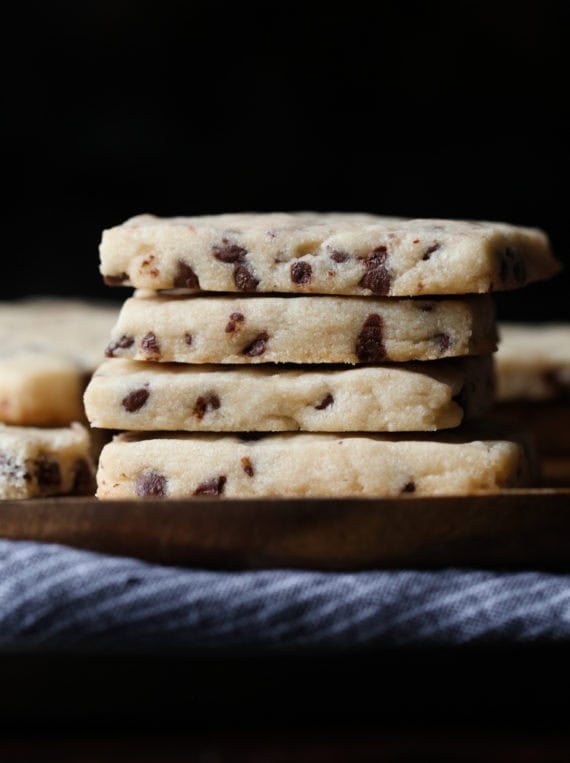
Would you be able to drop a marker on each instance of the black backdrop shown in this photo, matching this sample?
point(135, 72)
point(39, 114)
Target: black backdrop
point(112, 108)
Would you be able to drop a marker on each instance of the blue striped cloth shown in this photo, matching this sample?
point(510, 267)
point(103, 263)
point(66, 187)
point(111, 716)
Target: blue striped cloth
point(54, 598)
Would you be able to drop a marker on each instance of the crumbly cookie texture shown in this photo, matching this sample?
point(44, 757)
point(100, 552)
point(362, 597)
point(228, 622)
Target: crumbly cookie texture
point(49, 349)
point(126, 394)
point(304, 465)
point(331, 253)
point(298, 330)
point(41, 462)
point(533, 362)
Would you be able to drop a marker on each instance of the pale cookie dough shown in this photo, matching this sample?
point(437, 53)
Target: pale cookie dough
point(50, 347)
point(127, 394)
point(533, 382)
point(305, 465)
point(40, 462)
point(332, 253)
point(300, 330)
point(533, 362)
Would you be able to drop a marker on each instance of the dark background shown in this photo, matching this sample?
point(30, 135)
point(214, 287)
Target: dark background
point(114, 108)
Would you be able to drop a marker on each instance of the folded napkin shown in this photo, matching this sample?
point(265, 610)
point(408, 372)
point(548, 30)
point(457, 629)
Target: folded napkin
point(57, 598)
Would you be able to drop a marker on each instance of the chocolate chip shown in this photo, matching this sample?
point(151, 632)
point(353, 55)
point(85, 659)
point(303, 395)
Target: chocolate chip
point(443, 342)
point(301, 272)
point(325, 402)
point(212, 487)
point(247, 466)
point(116, 280)
point(257, 347)
point(48, 473)
point(204, 404)
point(409, 487)
point(151, 483)
point(150, 344)
point(188, 339)
point(185, 277)
point(369, 343)
point(235, 318)
point(430, 250)
point(339, 256)
point(244, 278)
point(229, 252)
point(120, 344)
point(135, 399)
point(83, 482)
point(377, 277)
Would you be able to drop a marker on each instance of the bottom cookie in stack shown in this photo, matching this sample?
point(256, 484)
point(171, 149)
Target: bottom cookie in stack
point(304, 465)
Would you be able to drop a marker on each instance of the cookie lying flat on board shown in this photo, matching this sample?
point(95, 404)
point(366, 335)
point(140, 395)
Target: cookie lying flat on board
point(41, 462)
point(334, 253)
point(50, 347)
point(306, 465)
point(228, 329)
point(127, 394)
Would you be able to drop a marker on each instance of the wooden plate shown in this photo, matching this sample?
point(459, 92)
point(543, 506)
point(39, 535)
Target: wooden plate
point(513, 528)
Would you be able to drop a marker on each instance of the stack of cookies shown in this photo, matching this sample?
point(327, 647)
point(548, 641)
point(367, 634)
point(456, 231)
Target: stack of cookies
point(50, 347)
point(355, 338)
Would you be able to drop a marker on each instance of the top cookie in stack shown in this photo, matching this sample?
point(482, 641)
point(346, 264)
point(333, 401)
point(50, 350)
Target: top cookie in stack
point(350, 254)
point(345, 284)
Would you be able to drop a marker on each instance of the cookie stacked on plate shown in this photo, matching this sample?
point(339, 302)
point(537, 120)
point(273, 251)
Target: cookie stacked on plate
point(353, 337)
point(50, 347)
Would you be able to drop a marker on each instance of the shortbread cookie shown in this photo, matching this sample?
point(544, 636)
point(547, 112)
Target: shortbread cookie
point(318, 253)
point(300, 330)
point(126, 394)
point(533, 382)
point(296, 465)
point(533, 362)
point(50, 347)
point(36, 462)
